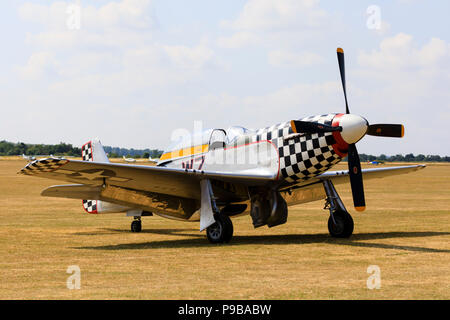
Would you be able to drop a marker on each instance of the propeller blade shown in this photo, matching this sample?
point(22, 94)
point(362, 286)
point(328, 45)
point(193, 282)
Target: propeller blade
point(356, 178)
point(386, 130)
point(341, 61)
point(312, 127)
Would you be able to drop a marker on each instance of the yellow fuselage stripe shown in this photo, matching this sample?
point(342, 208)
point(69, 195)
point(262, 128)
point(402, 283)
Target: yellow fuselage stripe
point(190, 151)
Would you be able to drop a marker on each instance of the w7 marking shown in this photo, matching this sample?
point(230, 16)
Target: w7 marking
point(190, 163)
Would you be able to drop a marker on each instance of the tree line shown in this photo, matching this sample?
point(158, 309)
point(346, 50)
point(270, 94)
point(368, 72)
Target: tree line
point(64, 149)
point(410, 157)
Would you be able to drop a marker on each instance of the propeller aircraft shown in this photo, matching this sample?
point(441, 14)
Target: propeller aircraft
point(28, 158)
point(229, 173)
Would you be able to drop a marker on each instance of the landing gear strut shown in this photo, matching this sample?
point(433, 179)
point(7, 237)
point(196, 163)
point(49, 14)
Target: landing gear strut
point(340, 222)
point(218, 225)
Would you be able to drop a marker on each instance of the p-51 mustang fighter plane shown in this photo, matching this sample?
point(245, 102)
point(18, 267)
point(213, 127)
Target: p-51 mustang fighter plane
point(232, 172)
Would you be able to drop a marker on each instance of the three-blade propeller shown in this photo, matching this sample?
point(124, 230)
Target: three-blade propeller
point(354, 164)
point(352, 128)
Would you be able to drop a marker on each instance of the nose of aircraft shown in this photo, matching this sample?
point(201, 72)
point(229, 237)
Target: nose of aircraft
point(354, 127)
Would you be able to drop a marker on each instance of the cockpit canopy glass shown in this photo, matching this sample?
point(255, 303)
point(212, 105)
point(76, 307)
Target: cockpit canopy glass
point(236, 131)
point(188, 140)
point(203, 137)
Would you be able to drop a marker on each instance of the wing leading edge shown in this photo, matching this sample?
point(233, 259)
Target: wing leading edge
point(171, 181)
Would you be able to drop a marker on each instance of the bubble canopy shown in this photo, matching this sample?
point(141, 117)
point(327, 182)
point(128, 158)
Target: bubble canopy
point(204, 137)
point(236, 131)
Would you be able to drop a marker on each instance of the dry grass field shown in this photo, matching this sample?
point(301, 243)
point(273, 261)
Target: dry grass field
point(405, 231)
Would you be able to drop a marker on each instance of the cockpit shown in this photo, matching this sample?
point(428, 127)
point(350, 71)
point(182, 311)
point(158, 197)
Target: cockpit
point(213, 138)
point(236, 131)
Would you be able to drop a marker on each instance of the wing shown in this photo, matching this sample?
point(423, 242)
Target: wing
point(312, 189)
point(170, 181)
point(342, 176)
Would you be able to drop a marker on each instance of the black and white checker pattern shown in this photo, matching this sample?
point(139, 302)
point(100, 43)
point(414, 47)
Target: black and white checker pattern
point(86, 152)
point(302, 157)
point(90, 206)
point(45, 165)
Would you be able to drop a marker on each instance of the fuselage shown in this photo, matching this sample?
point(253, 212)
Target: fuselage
point(300, 156)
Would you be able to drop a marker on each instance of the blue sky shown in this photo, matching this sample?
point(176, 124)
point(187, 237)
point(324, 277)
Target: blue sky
point(137, 70)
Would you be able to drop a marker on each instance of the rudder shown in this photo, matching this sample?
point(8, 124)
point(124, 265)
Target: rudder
point(93, 151)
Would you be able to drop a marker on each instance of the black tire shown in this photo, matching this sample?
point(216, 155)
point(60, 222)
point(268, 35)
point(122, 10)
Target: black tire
point(343, 227)
point(221, 231)
point(136, 226)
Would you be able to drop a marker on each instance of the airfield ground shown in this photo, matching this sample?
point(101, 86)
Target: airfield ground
point(405, 231)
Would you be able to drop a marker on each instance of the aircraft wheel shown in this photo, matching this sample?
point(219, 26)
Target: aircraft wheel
point(343, 227)
point(221, 231)
point(136, 226)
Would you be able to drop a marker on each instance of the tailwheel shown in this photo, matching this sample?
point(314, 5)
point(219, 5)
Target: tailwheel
point(221, 231)
point(341, 226)
point(136, 226)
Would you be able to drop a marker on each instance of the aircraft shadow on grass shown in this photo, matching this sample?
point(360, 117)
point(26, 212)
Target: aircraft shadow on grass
point(197, 240)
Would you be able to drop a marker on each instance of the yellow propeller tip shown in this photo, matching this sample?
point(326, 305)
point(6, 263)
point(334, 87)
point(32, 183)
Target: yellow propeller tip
point(403, 131)
point(340, 50)
point(360, 209)
point(294, 128)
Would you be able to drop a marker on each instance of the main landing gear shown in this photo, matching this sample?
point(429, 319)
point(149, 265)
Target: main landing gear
point(340, 222)
point(221, 231)
point(218, 225)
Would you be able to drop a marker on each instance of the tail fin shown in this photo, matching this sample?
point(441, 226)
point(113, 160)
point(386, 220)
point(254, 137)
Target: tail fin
point(93, 151)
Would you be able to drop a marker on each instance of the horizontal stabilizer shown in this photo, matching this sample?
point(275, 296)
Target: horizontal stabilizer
point(73, 191)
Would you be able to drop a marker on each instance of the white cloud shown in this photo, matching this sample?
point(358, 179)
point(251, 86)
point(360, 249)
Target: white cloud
point(266, 21)
point(400, 52)
point(238, 39)
point(126, 13)
point(111, 69)
point(189, 57)
point(38, 65)
point(403, 81)
point(114, 43)
point(286, 58)
point(114, 24)
point(288, 102)
point(277, 14)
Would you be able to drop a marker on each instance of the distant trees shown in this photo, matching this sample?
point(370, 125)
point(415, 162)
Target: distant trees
point(406, 158)
point(116, 152)
point(11, 149)
point(64, 149)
